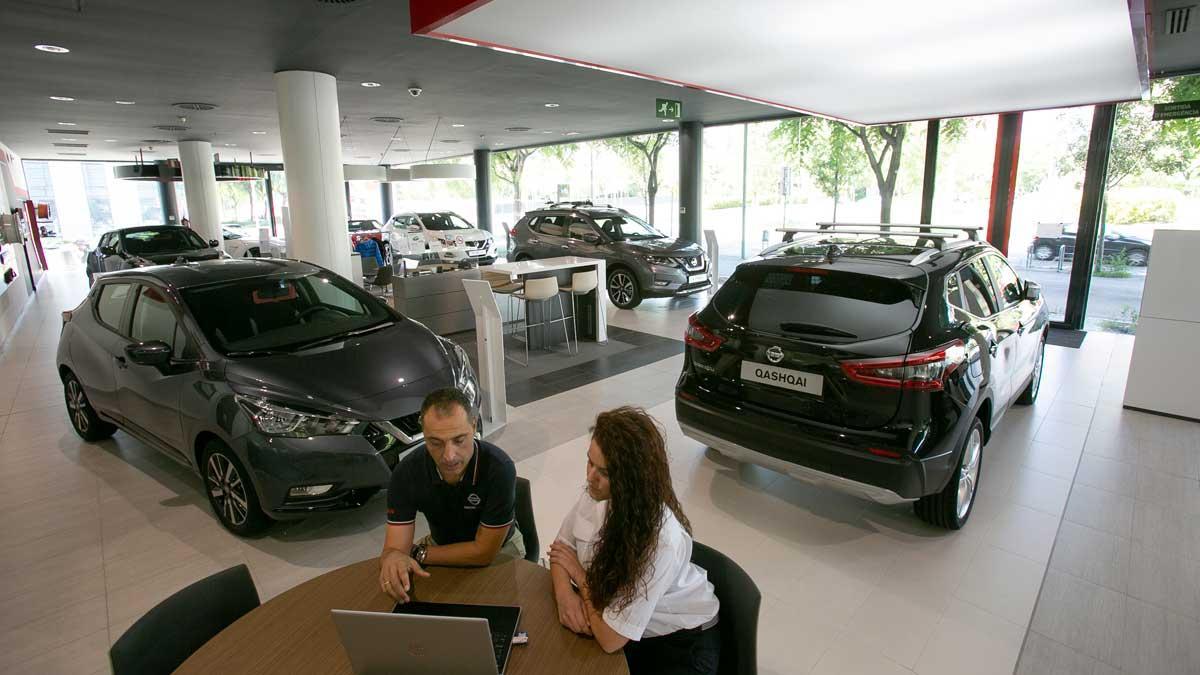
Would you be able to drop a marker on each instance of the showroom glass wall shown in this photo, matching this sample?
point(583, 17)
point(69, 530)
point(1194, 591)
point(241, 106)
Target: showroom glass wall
point(365, 200)
point(86, 200)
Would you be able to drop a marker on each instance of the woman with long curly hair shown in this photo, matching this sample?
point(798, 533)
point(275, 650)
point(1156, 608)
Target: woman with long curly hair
point(621, 562)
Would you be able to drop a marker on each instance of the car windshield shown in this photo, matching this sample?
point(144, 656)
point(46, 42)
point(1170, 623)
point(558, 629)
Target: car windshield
point(283, 313)
point(360, 225)
point(167, 239)
point(444, 221)
point(626, 227)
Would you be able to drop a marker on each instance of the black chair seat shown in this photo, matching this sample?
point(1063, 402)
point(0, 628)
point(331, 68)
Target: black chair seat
point(738, 617)
point(525, 521)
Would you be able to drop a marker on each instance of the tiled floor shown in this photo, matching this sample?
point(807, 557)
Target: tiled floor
point(1082, 555)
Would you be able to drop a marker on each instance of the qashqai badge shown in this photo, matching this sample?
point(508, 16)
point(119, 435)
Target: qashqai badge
point(775, 354)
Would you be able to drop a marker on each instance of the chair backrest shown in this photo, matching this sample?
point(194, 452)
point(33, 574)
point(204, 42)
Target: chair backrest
point(738, 618)
point(541, 289)
point(171, 632)
point(583, 282)
point(369, 265)
point(525, 521)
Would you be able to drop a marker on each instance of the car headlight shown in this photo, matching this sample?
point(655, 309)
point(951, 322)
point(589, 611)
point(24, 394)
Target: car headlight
point(662, 260)
point(464, 376)
point(275, 419)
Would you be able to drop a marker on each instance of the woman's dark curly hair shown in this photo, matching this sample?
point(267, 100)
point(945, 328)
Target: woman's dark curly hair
point(640, 486)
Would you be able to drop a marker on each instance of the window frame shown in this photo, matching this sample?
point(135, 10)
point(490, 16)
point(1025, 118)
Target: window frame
point(997, 289)
point(126, 309)
point(991, 286)
point(177, 354)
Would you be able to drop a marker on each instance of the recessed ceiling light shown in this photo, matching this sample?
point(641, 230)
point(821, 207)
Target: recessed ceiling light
point(231, 145)
point(667, 121)
point(371, 85)
point(53, 49)
point(451, 140)
point(259, 133)
point(571, 133)
point(125, 102)
point(110, 140)
point(61, 98)
point(517, 129)
point(66, 124)
point(550, 105)
point(458, 126)
point(547, 131)
point(387, 120)
point(363, 156)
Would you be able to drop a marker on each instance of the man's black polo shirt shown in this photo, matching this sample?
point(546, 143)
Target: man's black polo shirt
point(486, 495)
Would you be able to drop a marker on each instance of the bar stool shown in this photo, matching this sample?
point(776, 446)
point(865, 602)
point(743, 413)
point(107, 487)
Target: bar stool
point(540, 291)
point(582, 283)
point(503, 285)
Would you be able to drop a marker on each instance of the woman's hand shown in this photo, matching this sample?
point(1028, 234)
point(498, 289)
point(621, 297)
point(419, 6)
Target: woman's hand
point(565, 557)
point(571, 612)
point(395, 569)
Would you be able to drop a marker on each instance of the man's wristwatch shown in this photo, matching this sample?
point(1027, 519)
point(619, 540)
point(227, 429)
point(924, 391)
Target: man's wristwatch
point(418, 553)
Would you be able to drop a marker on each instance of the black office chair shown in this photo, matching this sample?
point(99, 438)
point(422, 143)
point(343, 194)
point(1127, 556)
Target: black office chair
point(382, 279)
point(171, 632)
point(738, 617)
point(525, 521)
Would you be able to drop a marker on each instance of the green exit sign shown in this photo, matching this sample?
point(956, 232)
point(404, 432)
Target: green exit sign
point(665, 108)
point(1176, 110)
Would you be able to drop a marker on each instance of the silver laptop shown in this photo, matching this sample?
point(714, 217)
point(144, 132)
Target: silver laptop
point(422, 644)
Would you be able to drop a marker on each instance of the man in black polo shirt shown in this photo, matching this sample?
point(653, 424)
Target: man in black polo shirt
point(466, 489)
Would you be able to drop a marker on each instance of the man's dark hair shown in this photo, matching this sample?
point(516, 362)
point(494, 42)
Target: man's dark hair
point(444, 401)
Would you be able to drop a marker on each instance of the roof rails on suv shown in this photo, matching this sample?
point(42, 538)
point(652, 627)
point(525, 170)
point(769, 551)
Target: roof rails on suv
point(937, 241)
point(585, 204)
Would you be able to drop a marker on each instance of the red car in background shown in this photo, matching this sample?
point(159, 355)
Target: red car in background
point(369, 229)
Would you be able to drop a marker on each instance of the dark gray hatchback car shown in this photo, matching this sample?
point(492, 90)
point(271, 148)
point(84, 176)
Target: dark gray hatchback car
point(642, 262)
point(286, 387)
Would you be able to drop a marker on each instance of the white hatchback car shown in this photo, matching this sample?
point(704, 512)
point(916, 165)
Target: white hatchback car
point(242, 244)
point(439, 237)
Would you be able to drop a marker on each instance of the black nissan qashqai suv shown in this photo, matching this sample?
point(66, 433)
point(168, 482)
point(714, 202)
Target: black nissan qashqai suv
point(879, 367)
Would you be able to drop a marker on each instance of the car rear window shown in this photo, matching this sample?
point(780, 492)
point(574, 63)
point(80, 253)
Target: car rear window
point(820, 304)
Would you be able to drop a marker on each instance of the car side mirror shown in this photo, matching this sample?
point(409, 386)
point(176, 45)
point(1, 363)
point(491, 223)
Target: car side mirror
point(214, 243)
point(592, 238)
point(415, 229)
point(154, 353)
point(1033, 291)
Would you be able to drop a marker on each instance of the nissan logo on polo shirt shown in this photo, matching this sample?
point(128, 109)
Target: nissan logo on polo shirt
point(775, 354)
point(473, 499)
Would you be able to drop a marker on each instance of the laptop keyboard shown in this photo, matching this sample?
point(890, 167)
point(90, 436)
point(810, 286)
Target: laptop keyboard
point(498, 644)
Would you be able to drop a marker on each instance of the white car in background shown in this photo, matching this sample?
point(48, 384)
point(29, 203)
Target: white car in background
point(439, 237)
point(243, 245)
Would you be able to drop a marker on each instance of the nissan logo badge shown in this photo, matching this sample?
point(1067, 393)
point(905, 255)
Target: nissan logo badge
point(775, 354)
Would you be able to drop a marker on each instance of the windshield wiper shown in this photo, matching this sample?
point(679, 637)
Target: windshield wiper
point(256, 352)
point(342, 336)
point(815, 329)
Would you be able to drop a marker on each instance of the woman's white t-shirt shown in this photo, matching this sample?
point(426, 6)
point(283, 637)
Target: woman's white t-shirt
point(672, 595)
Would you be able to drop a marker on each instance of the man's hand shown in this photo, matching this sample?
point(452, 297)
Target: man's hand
point(571, 612)
point(565, 557)
point(395, 568)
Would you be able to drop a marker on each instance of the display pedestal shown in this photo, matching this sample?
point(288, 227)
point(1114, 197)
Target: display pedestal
point(489, 337)
point(1166, 351)
point(714, 258)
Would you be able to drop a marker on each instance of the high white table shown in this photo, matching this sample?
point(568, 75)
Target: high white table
point(516, 270)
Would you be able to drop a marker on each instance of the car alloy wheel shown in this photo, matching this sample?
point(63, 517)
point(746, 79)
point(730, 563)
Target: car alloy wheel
point(1038, 366)
point(968, 474)
point(77, 405)
point(1044, 252)
point(1137, 258)
point(621, 288)
point(227, 489)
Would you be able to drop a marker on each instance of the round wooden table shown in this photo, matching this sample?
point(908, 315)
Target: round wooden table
point(294, 632)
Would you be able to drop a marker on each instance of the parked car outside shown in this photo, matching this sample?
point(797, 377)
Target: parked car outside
point(439, 237)
point(877, 368)
point(147, 245)
point(277, 381)
point(1047, 244)
point(641, 261)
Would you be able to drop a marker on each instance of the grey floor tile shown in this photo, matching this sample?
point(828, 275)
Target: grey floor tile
point(1043, 656)
point(1081, 615)
point(1169, 491)
point(1178, 459)
point(1100, 510)
point(1092, 555)
point(1166, 530)
point(1157, 641)
point(1107, 474)
point(1168, 581)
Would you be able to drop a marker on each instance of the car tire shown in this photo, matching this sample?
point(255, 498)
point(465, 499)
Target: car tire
point(522, 257)
point(230, 493)
point(947, 508)
point(623, 288)
point(1138, 257)
point(1030, 394)
point(1044, 252)
point(84, 420)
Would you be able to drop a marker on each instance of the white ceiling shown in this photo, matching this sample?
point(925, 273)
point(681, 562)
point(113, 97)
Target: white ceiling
point(224, 52)
point(868, 61)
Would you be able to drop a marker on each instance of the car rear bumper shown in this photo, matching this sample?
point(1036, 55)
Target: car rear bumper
point(834, 457)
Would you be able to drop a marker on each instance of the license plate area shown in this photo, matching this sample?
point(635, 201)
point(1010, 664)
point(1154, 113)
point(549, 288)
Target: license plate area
point(697, 278)
point(783, 378)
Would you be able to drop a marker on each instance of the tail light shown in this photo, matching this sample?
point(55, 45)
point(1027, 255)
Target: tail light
point(924, 371)
point(700, 337)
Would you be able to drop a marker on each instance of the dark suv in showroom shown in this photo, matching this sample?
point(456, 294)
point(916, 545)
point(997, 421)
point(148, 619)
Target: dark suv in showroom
point(877, 366)
point(286, 387)
point(148, 245)
point(642, 262)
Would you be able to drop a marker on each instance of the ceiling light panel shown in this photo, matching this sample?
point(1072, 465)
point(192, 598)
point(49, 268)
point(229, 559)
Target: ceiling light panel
point(51, 49)
point(868, 61)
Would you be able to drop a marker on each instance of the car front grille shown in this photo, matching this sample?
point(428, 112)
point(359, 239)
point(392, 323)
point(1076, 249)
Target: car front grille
point(477, 244)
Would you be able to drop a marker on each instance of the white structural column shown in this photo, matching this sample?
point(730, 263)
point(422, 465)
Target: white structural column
point(200, 185)
point(310, 132)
